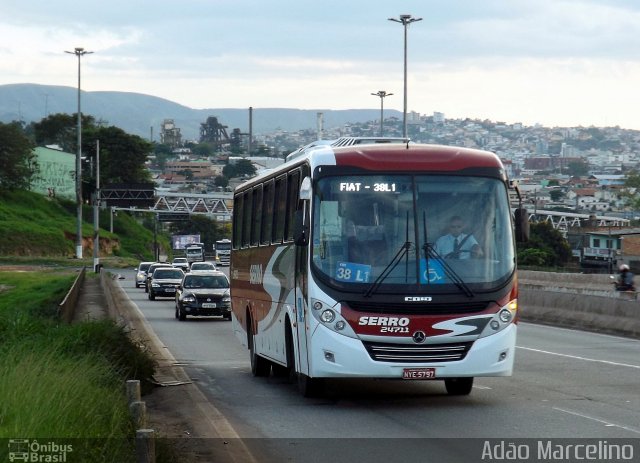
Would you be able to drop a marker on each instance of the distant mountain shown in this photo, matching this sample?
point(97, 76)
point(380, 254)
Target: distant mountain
point(137, 113)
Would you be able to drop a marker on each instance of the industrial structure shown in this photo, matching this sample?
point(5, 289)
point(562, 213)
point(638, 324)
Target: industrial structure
point(170, 134)
point(212, 131)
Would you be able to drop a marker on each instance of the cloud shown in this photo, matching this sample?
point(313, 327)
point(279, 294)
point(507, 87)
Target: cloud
point(515, 59)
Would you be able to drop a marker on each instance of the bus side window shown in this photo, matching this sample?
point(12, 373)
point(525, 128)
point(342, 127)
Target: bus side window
point(281, 209)
point(257, 216)
point(246, 220)
point(267, 212)
point(237, 222)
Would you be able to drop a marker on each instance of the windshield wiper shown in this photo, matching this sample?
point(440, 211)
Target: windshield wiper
point(449, 272)
point(404, 250)
point(430, 252)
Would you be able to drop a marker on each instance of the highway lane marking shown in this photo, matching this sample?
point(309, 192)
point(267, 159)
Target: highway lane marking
point(598, 420)
point(577, 357)
point(574, 330)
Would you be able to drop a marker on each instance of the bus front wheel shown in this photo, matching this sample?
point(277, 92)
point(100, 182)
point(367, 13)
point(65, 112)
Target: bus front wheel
point(458, 386)
point(310, 387)
point(260, 366)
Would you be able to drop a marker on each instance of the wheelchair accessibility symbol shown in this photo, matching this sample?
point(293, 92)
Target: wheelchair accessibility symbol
point(434, 276)
point(433, 273)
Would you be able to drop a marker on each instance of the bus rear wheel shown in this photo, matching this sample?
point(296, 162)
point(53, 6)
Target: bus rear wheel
point(458, 386)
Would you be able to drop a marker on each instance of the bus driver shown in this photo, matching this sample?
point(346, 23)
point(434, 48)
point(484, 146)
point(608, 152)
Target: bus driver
point(455, 244)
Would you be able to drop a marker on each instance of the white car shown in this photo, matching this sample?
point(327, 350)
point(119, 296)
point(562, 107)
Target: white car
point(181, 263)
point(200, 266)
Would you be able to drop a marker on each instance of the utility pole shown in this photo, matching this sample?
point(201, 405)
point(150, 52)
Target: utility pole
point(382, 94)
point(79, 52)
point(405, 20)
point(96, 214)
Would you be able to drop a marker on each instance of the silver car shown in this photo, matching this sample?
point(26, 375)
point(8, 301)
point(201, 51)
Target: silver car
point(141, 273)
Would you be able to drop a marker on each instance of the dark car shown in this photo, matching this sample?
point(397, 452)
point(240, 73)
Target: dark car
point(150, 271)
point(164, 282)
point(203, 294)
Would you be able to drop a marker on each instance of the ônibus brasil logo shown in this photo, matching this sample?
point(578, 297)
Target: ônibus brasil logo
point(34, 451)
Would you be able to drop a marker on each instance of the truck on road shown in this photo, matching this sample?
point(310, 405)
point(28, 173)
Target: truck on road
point(222, 252)
point(194, 253)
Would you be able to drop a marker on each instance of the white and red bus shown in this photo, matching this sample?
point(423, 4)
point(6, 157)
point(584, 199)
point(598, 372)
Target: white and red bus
point(335, 271)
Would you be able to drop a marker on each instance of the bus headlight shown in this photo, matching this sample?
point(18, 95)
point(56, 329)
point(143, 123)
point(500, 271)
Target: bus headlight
point(505, 316)
point(330, 317)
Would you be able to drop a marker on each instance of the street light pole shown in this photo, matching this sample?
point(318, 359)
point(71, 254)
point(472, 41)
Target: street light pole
point(79, 52)
point(405, 20)
point(96, 213)
point(381, 94)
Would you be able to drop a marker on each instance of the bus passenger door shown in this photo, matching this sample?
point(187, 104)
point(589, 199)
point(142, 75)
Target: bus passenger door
point(301, 303)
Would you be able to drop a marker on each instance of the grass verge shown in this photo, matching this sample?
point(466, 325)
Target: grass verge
point(63, 381)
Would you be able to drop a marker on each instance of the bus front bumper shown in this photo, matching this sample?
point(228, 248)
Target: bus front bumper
point(337, 356)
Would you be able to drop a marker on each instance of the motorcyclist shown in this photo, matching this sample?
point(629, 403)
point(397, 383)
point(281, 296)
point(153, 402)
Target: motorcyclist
point(624, 282)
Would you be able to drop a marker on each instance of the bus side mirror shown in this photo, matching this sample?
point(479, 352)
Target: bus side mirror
point(521, 218)
point(301, 222)
point(300, 229)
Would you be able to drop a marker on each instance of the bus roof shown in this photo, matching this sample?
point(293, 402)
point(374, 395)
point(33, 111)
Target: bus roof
point(389, 157)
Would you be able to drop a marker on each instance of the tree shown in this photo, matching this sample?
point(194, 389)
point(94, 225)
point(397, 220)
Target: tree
point(546, 246)
point(556, 194)
point(221, 181)
point(631, 193)
point(245, 167)
point(122, 156)
point(229, 171)
point(162, 152)
point(62, 130)
point(577, 168)
point(202, 149)
point(18, 163)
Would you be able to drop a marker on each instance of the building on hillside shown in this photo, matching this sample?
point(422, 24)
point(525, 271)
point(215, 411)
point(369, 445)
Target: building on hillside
point(438, 118)
point(56, 176)
point(198, 169)
point(606, 180)
point(606, 247)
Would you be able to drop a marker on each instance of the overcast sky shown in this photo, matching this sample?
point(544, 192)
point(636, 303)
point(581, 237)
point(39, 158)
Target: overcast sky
point(553, 62)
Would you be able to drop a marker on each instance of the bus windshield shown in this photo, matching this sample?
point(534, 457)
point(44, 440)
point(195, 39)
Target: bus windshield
point(412, 233)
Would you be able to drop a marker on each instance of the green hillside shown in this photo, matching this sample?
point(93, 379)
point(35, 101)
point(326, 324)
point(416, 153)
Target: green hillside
point(37, 226)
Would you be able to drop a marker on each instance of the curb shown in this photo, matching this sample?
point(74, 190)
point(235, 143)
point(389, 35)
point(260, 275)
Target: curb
point(210, 422)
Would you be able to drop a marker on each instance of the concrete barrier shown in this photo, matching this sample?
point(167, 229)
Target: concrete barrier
point(581, 301)
point(67, 308)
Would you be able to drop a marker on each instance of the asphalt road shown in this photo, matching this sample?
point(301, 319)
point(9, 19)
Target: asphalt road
point(567, 384)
